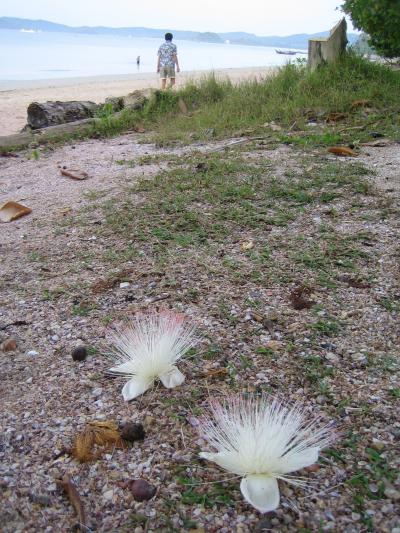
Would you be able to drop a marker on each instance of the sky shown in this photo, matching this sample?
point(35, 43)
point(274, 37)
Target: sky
point(262, 17)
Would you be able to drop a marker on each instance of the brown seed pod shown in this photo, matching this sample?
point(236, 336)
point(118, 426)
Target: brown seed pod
point(79, 353)
point(131, 432)
point(142, 490)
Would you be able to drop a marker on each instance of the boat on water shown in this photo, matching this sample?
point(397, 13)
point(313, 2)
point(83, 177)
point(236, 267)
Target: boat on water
point(287, 52)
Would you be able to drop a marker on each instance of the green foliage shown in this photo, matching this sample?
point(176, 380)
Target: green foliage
point(380, 19)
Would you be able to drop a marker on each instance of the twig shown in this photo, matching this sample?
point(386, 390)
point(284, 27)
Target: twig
point(235, 143)
point(15, 323)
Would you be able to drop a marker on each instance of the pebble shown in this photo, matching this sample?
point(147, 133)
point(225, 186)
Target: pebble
point(55, 338)
point(124, 285)
point(108, 495)
point(32, 353)
point(97, 392)
point(392, 493)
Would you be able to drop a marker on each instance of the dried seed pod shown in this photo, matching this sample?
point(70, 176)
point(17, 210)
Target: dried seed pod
point(79, 353)
point(131, 432)
point(9, 345)
point(142, 490)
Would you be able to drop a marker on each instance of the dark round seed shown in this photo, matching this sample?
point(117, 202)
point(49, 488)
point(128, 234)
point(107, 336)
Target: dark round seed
point(79, 353)
point(132, 432)
point(142, 490)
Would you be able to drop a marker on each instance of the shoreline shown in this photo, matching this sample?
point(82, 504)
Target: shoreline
point(16, 95)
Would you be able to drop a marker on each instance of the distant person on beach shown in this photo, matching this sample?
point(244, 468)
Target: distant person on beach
point(138, 61)
point(167, 60)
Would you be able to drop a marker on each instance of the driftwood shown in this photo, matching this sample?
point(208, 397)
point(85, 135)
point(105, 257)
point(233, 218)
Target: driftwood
point(53, 113)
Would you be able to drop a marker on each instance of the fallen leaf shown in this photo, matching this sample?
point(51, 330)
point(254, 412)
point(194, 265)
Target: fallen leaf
point(359, 103)
point(215, 372)
point(182, 106)
point(298, 298)
point(353, 282)
point(257, 317)
point(75, 174)
point(9, 345)
point(73, 495)
point(12, 210)
point(248, 245)
point(382, 142)
point(343, 151)
point(65, 210)
point(8, 154)
point(273, 345)
point(335, 117)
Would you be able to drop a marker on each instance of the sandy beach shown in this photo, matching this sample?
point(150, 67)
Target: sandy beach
point(15, 96)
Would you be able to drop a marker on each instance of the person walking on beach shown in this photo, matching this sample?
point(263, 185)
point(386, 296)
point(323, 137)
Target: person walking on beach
point(138, 61)
point(167, 60)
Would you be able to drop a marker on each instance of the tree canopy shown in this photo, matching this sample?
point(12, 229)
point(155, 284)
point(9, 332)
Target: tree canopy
point(380, 19)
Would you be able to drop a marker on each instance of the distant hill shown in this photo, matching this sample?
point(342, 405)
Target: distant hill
point(291, 41)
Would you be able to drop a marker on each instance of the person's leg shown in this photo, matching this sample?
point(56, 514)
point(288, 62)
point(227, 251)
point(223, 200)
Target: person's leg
point(171, 82)
point(163, 83)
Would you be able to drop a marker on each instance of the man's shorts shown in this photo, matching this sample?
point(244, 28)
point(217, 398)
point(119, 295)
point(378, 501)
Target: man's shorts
point(167, 72)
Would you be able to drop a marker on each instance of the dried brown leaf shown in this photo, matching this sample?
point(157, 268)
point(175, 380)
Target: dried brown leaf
point(353, 282)
point(298, 298)
point(73, 495)
point(215, 372)
point(12, 210)
point(342, 151)
point(182, 106)
point(359, 103)
point(335, 117)
point(75, 174)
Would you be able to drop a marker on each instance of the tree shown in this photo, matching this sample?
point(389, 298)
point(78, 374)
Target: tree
point(380, 19)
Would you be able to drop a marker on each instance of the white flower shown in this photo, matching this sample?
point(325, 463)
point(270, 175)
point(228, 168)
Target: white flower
point(262, 441)
point(148, 350)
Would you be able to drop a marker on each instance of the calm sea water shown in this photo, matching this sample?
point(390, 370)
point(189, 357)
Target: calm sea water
point(43, 55)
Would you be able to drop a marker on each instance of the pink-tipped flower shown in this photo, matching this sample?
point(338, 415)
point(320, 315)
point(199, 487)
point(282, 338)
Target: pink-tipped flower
point(149, 349)
point(262, 441)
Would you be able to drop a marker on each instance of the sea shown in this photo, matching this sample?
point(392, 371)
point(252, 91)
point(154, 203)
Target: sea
point(36, 55)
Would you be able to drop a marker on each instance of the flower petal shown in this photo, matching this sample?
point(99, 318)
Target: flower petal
point(298, 460)
point(172, 378)
point(227, 461)
point(123, 368)
point(134, 387)
point(261, 491)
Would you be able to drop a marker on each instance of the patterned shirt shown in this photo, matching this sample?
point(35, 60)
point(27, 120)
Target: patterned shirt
point(166, 52)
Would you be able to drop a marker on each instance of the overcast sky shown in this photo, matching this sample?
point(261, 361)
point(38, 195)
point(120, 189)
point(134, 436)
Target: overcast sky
point(262, 17)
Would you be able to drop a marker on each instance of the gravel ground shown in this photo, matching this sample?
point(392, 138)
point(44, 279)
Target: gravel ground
point(57, 293)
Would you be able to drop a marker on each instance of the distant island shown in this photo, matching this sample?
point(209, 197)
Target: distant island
point(291, 41)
